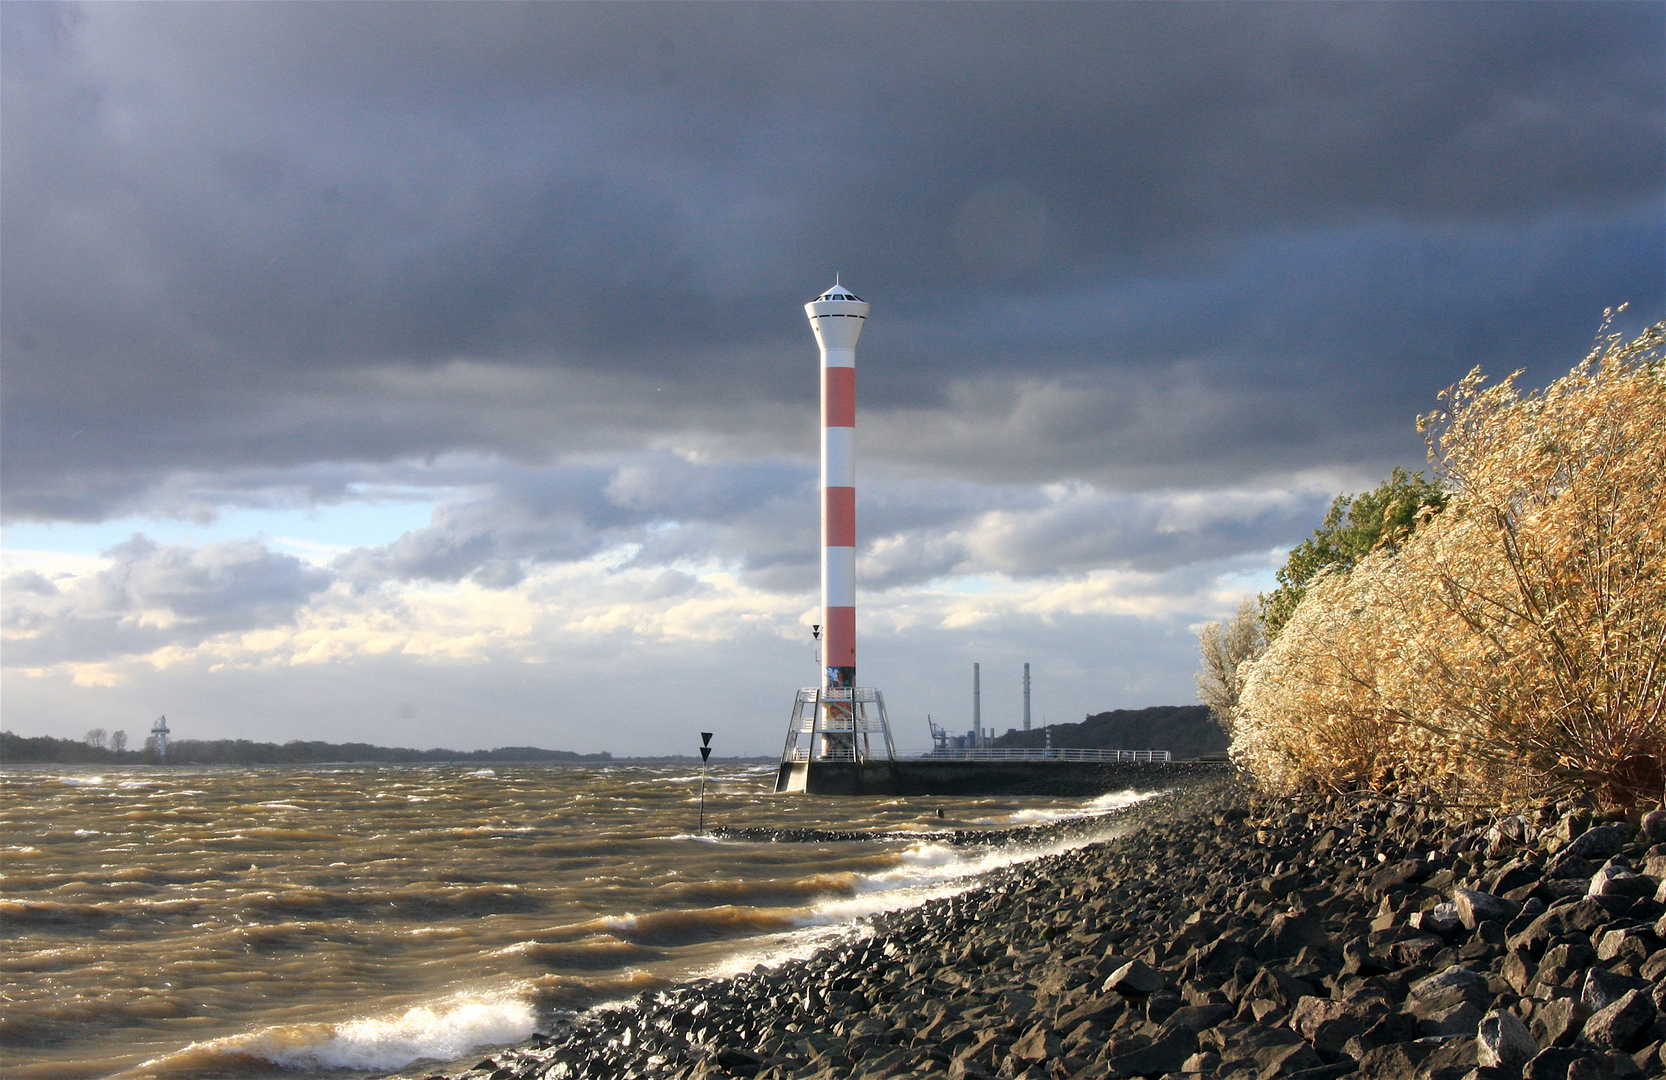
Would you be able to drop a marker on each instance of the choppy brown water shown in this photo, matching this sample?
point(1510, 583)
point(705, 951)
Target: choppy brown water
point(378, 920)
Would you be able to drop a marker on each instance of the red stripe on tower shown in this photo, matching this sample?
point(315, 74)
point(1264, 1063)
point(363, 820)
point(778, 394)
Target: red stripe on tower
point(840, 632)
point(838, 397)
point(838, 517)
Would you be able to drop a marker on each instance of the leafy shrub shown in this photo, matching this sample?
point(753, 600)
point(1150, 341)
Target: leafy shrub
point(1355, 526)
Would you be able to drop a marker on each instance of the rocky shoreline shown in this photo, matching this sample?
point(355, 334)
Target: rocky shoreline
point(1227, 934)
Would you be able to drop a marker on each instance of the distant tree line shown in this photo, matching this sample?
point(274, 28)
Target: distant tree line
point(97, 746)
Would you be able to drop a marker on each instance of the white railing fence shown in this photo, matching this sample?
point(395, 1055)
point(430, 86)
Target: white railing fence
point(991, 753)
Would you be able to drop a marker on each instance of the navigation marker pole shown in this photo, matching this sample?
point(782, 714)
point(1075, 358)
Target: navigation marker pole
point(705, 755)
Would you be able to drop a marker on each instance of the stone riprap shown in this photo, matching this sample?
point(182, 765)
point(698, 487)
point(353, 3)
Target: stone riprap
point(1227, 934)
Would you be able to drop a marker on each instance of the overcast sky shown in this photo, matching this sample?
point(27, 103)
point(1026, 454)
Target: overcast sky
point(437, 374)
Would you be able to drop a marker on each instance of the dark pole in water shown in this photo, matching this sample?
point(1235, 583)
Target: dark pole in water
point(705, 754)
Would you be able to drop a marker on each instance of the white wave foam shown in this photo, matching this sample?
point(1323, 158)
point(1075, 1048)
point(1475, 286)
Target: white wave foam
point(81, 781)
point(928, 870)
point(1104, 804)
point(440, 1032)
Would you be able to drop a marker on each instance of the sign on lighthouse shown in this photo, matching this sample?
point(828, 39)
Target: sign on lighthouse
point(838, 716)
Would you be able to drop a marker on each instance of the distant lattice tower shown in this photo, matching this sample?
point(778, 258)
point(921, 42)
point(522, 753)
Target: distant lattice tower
point(839, 717)
point(159, 732)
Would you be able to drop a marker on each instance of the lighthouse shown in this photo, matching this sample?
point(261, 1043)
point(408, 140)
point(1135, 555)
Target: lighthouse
point(837, 317)
point(159, 735)
point(840, 718)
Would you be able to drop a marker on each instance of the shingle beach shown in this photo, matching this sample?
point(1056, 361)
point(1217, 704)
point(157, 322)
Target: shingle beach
point(1224, 934)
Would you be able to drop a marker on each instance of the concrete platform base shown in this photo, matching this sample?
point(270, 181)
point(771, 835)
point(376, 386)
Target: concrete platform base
point(923, 776)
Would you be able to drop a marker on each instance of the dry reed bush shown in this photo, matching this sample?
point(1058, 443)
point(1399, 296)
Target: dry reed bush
point(1515, 646)
point(1322, 706)
point(1544, 597)
point(1226, 652)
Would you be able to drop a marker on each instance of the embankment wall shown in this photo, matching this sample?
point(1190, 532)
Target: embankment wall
point(924, 776)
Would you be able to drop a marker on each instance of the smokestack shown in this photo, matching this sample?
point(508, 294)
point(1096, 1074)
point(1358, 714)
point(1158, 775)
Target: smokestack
point(977, 705)
point(1026, 697)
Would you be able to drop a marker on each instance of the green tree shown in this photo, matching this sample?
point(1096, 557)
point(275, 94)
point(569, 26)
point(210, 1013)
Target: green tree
point(1355, 526)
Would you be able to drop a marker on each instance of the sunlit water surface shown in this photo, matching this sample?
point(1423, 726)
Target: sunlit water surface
point(386, 920)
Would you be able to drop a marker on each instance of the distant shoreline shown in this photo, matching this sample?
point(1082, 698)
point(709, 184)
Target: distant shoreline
point(47, 750)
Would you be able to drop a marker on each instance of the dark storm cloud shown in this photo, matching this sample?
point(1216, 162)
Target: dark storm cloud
point(260, 236)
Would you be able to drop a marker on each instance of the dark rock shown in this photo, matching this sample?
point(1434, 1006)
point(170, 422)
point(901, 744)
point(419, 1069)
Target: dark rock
point(1041, 1043)
point(1102, 1009)
point(739, 1062)
point(1135, 977)
point(1310, 1012)
point(1635, 942)
point(1162, 1056)
point(1503, 1041)
point(1475, 908)
point(1654, 825)
point(1394, 874)
point(1600, 842)
point(1567, 865)
point(1621, 881)
point(1159, 1006)
point(1287, 1060)
point(1441, 920)
point(1395, 1060)
point(1519, 971)
point(1451, 1057)
point(1603, 988)
point(1562, 1063)
point(1326, 1072)
point(1218, 957)
point(1462, 980)
point(1513, 875)
point(1358, 958)
point(1620, 1025)
point(1276, 985)
point(1290, 934)
point(1393, 1028)
point(1456, 1018)
point(1558, 1022)
point(1330, 1038)
point(1413, 949)
point(1196, 1018)
point(1531, 909)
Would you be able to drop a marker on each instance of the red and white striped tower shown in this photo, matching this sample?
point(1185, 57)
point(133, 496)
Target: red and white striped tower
point(837, 317)
point(839, 717)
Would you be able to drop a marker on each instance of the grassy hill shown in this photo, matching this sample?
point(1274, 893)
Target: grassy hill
point(1186, 731)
